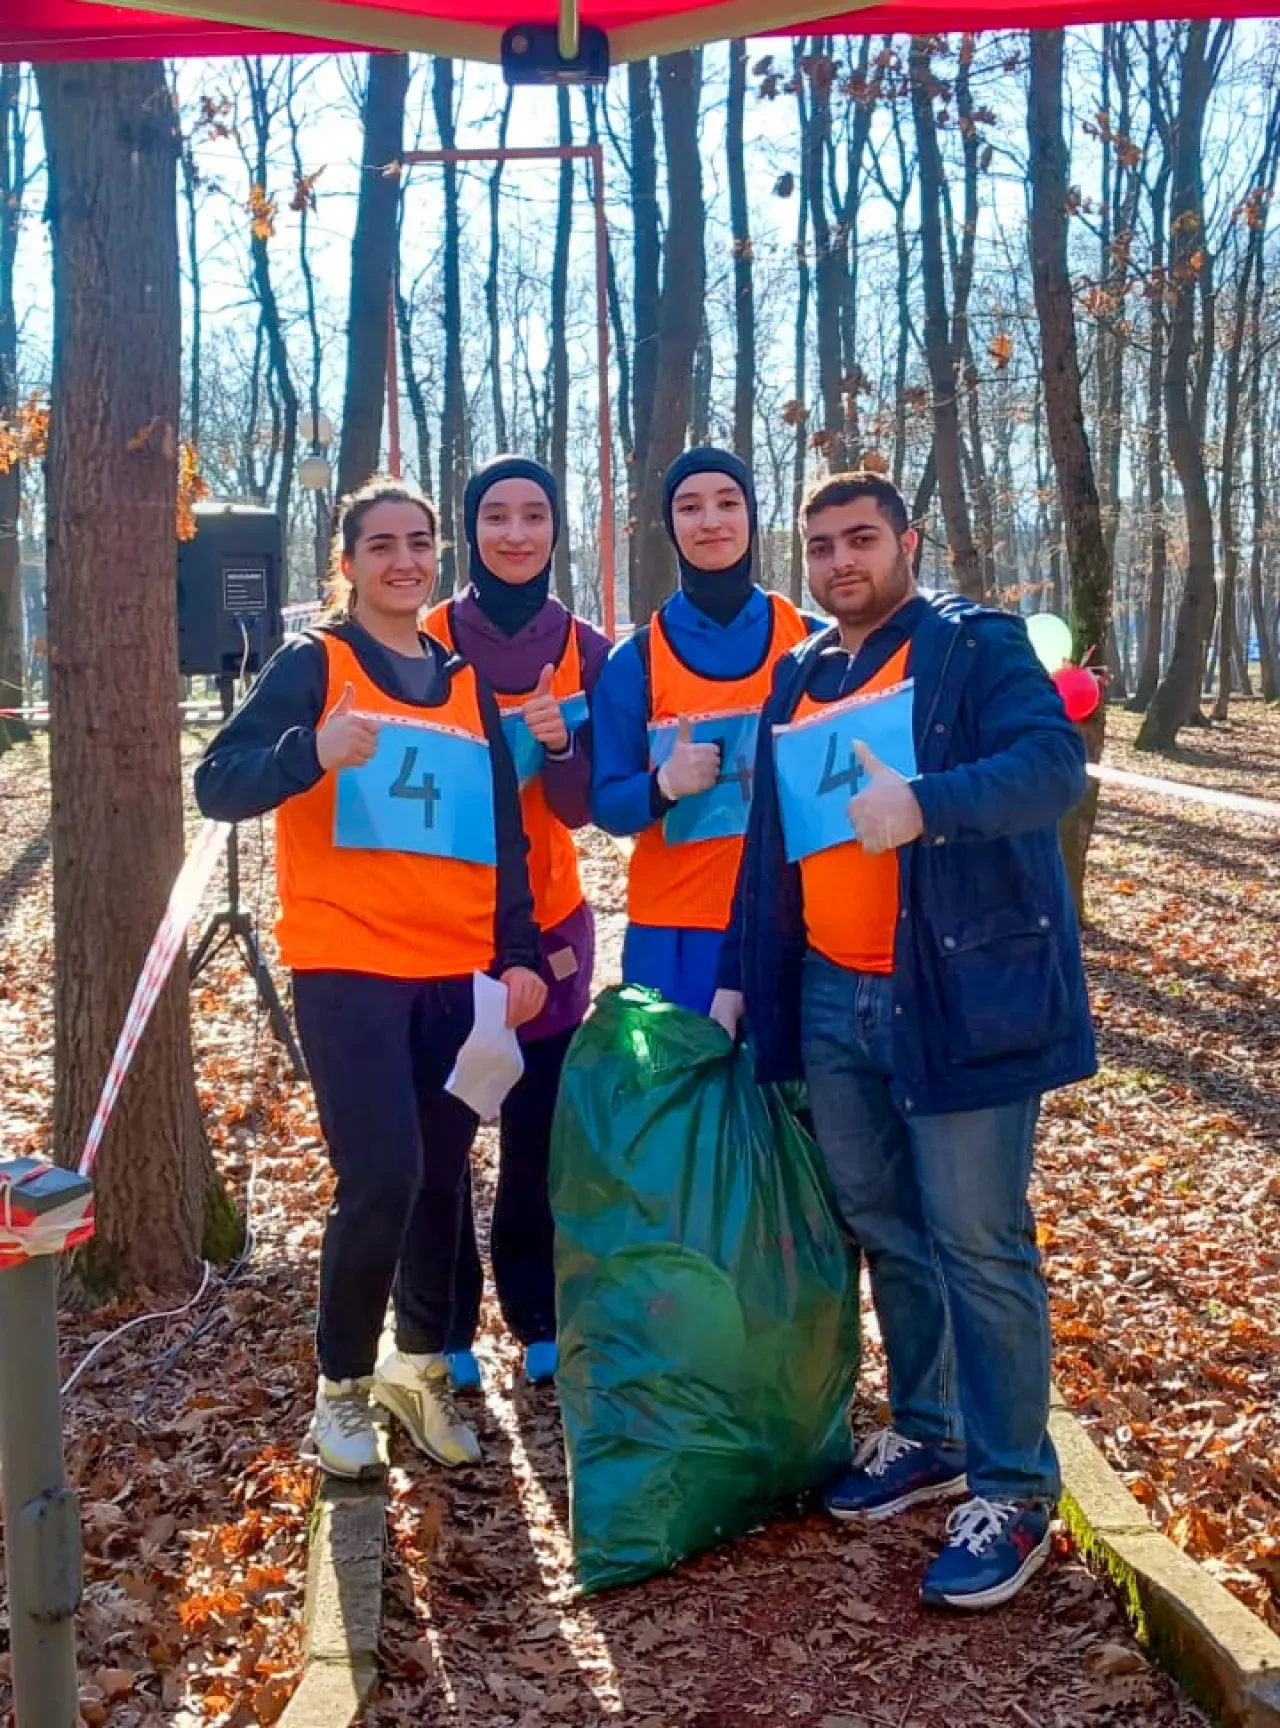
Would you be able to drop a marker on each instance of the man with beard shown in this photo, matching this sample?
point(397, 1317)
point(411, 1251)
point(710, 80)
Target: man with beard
point(912, 951)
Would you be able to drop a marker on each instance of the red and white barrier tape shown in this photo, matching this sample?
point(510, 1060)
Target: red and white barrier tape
point(1179, 789)
point(184, 898)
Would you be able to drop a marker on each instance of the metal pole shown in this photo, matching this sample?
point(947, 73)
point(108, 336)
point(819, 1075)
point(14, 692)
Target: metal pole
point(41, 1517)
point(568, 34)
point(393, 389)
point(606, 423)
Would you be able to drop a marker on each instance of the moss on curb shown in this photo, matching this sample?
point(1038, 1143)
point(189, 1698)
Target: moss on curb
point(1222, 1655)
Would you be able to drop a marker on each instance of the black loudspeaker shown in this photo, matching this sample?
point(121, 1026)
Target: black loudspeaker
point(531, 55)
point(229, 582)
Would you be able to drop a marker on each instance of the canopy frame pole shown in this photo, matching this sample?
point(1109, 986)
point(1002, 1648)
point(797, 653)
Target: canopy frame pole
point(568, 35)
point(393, 384)
point(593, 154)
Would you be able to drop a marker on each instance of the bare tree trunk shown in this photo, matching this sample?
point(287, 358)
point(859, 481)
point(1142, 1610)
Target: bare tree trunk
point(13, 186)
point(939, 351)
point(413, 383)
point(285, 400)
point(646, 296)
point(1270, 674)
point(453, 573)
point(863, 98)
point(1087, 549)
point(373, 249)
point(1153, 636)
point(621, 353)
point(679, 323)
point(117, 784)
point(1262, 188)
point(190, 182)
point(1120, 189)
point(829, 254)
point(897, 197)
point(304, 203)
point(801, 350)
point(491, 284)
point(562, 566)
point(700, 399)
point(963, 255)
point(744, 309)
point(1178, 694)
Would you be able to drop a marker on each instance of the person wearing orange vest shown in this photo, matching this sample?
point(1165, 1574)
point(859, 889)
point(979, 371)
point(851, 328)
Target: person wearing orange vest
point(542, 664)
point(675, 718)
point(904, 940)
point(400, 866)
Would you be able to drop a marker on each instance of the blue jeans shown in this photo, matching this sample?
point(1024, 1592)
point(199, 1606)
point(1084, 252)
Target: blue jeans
point(939, 1207)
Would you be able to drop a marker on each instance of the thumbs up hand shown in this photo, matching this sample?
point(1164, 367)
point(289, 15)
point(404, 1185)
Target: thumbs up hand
point(346, 739)
point(543, 717)
point(884, 814)
point(691, 768)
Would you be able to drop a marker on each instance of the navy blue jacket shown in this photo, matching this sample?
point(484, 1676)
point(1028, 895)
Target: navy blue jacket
point(989, 994)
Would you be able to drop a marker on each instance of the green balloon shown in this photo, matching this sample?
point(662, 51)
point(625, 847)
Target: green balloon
point(1051, 639)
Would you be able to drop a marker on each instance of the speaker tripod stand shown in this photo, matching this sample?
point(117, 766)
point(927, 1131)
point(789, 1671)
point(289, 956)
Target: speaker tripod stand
point(232, 924)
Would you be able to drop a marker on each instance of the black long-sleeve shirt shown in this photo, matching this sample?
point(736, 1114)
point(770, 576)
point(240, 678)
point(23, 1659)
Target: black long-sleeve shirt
point(266, 753)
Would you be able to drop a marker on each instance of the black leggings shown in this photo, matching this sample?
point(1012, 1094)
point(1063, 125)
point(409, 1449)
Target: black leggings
point(523, 1235)
point(379, 1051)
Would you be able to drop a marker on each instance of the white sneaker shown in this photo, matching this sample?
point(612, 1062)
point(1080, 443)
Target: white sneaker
point(416, 1390)
point(342, 1429)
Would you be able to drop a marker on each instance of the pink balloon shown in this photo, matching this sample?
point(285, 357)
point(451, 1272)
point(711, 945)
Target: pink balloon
point(1079, 690)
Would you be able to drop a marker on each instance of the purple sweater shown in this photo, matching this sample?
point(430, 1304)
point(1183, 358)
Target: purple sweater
point(512, 665)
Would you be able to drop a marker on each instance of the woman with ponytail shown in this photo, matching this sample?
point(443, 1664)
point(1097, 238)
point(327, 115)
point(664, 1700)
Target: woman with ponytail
point(401, 869)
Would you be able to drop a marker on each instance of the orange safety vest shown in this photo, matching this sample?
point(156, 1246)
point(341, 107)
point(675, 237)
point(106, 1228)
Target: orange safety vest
point(395, 914)
point(690, 887)
point(850, 895)
point(553, 857)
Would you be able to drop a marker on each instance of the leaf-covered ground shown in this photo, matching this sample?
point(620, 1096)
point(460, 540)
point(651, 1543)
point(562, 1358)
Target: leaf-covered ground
point(1159, 1203)
point(1160, 1181)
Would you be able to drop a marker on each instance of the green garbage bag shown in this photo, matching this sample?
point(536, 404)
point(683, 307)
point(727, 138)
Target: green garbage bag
point(707, 1297)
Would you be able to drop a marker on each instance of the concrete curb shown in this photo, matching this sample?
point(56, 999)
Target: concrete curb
point(343, 1613)
point(1223, 1655)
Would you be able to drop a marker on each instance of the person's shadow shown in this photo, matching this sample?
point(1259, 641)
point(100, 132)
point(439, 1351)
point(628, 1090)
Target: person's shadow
point(483, 1624)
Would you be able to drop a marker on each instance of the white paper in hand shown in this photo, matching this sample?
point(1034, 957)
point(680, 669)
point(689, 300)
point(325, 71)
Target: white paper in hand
point(491, 1061)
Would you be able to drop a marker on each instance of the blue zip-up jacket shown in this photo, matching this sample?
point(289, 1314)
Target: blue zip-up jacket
point(624, 795)
point(989, 995)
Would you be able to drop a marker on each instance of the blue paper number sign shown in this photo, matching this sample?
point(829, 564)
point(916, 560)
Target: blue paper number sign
point(721, 811)
point(818, 772)
point(526, 752)
point(425, 789)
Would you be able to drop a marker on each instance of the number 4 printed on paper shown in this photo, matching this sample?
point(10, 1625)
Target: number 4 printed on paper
point(426, 789)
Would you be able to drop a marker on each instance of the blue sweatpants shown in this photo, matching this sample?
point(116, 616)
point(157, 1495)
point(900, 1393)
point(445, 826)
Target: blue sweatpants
point(680, 963)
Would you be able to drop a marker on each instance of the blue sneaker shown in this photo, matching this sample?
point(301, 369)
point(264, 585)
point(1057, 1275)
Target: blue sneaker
point(891, 1473)
point(995, 1547)
point(541, 1361)
point(464, 1370)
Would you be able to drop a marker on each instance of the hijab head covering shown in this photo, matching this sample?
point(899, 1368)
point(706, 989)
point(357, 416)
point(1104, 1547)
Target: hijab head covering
point(509, 605)
point(721, 594)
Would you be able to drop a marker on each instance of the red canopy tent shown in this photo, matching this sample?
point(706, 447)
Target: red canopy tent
point(93, 29)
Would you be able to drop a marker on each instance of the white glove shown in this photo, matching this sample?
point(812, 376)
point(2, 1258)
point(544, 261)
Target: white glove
point(691, 768)
point(726, 1010)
